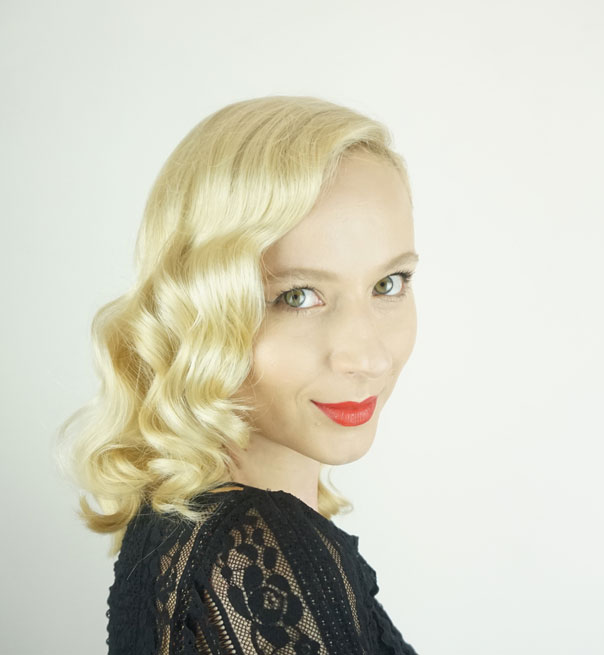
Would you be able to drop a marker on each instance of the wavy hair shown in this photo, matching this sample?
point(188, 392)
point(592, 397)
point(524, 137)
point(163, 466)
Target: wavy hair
point(173, 350)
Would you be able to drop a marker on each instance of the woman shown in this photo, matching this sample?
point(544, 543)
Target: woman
point(270, 319)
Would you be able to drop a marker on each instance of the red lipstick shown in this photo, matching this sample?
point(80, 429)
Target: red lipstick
point(349, 413)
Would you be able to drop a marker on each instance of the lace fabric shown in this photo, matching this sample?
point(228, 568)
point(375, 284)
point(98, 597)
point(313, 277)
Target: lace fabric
point(261, 573)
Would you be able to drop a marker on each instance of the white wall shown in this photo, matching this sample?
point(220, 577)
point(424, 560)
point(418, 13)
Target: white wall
point(488, 457)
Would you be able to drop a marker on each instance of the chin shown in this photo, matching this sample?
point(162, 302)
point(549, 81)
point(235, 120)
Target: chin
point(349, 453)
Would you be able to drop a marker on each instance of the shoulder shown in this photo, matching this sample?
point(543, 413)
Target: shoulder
point(234, 517)
point(237, 529)
point(271, 542)
point(276, 570)
point(255, 560)
point(252, 512)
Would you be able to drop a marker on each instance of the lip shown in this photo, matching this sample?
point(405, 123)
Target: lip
point(349, 413)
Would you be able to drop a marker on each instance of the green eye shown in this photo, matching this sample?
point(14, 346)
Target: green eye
point(297, 296)
point(292, 299)
point(389, 284)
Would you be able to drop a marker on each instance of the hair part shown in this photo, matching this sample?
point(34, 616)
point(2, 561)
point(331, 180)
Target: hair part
point(172, 351)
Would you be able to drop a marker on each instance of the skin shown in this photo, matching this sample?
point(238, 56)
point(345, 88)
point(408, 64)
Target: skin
point(351, 342)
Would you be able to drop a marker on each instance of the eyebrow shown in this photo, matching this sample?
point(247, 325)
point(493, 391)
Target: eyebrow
point(402, 259)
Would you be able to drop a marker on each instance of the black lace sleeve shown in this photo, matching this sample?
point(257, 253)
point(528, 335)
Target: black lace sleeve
point(258, 581)
point(269, 592)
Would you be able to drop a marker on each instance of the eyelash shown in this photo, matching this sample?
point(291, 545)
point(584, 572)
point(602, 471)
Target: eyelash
point(406, 275)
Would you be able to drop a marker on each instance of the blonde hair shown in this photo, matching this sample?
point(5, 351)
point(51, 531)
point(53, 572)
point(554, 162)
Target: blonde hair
point(173, 350)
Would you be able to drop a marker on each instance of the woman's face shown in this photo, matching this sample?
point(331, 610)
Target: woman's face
point(346, 340)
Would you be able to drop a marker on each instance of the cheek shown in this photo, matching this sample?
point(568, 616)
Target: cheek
point(282, 365)
point(398, 333)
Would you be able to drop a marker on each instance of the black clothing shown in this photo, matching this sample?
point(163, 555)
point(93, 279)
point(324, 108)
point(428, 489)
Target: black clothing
point(263, 572)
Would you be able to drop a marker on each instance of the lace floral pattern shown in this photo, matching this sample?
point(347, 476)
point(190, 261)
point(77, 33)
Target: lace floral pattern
point(259, 594)
point(263, 573)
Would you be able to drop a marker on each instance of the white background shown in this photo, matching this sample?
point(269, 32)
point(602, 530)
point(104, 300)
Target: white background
point(480, 502)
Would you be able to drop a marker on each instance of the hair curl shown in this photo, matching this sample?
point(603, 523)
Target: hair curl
point(173, 350)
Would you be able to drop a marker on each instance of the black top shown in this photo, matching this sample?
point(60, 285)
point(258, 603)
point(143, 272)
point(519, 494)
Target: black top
point(263, 572)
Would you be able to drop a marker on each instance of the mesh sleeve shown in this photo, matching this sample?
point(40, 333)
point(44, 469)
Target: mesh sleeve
point(255, 579)
point(269, 590)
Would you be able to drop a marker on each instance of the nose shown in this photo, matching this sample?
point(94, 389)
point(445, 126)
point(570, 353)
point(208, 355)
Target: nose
point(358, 345)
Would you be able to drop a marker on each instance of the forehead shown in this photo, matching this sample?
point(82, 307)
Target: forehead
point(362, 222)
